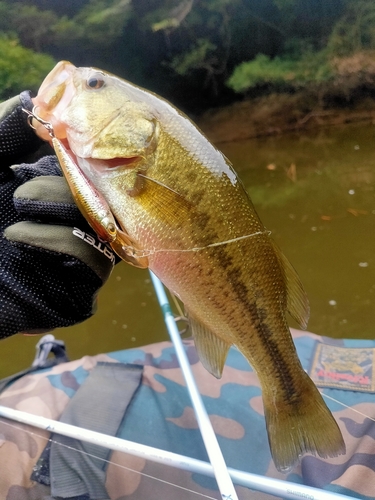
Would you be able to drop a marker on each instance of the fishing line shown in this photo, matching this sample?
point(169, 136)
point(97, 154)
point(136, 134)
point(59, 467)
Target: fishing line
point(181, 316)
point(147, 253)
point(346, 406)
point(109, 462)
point(31, 433)
point(127, 248)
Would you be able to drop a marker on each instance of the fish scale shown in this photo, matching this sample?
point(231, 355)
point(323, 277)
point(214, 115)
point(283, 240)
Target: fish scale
point(179, 200)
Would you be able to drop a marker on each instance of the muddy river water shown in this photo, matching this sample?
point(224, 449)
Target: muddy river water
point(315, 192)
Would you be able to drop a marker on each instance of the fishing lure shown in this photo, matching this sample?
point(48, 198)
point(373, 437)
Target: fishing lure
point(90, 202)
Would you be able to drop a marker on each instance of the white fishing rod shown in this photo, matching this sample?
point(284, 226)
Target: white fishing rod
point(213, 449)
point(277, 487)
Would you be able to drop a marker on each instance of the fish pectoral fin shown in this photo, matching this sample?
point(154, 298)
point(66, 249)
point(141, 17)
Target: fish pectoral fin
point(164, 202)
point(212, 351)
point(297, 301)
point(126, 248)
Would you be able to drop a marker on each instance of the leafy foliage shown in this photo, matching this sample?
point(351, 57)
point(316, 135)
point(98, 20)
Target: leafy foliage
point(261, 70)
point(100, 21)
point(201, 53)
point(281, 72)
point(196, 58)
point(33, 27)
point(20, 68)
point(168, 16)
point(355, 30)
point(342, 66)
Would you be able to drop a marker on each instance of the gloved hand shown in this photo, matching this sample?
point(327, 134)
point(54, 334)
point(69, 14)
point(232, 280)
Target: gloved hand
point(51, 263)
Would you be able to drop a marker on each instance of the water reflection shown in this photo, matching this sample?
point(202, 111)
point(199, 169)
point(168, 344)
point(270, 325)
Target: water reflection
point(315, 193)
point(324, 220)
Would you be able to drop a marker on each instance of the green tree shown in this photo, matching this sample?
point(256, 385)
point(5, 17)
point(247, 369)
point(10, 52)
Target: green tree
point(342, 63)
point(99, 21)
point(187, 49)
point(355, 30)
point(205, 29)
point(312, 68)
point(20, 68)
point(34, 27)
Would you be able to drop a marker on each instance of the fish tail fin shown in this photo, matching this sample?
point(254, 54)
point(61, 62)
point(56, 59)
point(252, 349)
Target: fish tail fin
point(304, 425)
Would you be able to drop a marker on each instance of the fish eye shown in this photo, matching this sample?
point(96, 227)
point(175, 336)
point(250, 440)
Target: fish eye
point(95, 82)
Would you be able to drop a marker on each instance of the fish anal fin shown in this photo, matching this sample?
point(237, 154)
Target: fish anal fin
point(212, 350)
point(297, 301)
point(303, 425)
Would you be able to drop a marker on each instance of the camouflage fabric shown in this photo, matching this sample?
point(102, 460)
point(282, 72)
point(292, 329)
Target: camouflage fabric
point(161, 415)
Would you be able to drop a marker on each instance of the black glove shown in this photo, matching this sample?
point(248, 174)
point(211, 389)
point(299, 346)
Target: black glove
point(51, 263)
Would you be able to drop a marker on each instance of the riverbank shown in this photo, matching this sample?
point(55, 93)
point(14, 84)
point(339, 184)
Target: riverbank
point(278, 113)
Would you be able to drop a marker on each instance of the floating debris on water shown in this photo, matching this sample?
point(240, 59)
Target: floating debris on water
point(356, 211)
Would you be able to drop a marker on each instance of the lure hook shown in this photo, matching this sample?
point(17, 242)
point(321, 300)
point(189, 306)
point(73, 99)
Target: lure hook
point(33, 114)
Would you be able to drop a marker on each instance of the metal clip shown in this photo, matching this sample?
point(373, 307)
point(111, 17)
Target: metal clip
point(32, 114)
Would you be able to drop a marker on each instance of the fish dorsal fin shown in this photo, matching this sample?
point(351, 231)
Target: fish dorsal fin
point(212, 351)
point(297, 301)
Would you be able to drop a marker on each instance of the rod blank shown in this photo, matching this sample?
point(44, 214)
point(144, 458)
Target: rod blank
point(287, 490)
point(213, 449)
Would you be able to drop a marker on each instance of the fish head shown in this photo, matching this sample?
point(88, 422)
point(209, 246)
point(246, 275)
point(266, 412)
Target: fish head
point(100, 115)
point(101, 133)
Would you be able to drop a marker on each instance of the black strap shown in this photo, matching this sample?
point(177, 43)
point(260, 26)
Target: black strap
point(68, 465)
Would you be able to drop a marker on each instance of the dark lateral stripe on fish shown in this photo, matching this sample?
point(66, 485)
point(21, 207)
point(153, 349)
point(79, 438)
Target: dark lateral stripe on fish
point(259, 315)
point(202, 220)
point(286, 379)
point(225, 261)
point(177, 194)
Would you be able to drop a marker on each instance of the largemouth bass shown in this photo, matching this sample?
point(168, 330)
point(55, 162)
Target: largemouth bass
point(183, 212)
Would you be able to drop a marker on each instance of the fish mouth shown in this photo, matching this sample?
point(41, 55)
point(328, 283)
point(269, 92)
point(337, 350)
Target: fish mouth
point(93, 166)
point(101, 163)
point(97, 165)
point(118, 163)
